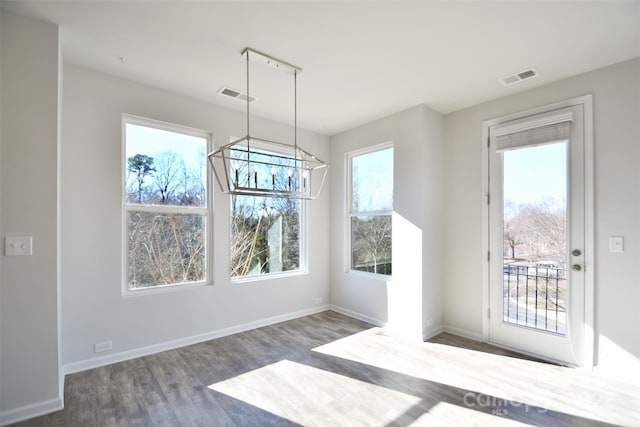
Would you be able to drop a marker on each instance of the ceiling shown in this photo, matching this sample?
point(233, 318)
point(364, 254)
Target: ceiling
point(361, 60)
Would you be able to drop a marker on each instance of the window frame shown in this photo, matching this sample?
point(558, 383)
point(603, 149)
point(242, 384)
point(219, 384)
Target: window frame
point(349, 156)
point(303, 268)
point(205, 211)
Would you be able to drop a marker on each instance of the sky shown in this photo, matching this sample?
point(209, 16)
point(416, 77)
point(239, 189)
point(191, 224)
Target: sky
point(373, 174)
point(152, 141)
point(534, 173)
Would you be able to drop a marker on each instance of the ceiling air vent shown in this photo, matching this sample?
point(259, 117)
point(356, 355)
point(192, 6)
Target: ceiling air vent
point(518, 77)
point(236, 94)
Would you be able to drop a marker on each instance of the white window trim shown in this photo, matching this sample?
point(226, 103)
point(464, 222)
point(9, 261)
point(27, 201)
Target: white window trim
point(303, 269)
point(206, 210)
point(304, 250)
point(349, 212)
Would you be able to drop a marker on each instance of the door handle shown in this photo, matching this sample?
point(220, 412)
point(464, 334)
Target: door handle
point(576, 267)
point(576, 252)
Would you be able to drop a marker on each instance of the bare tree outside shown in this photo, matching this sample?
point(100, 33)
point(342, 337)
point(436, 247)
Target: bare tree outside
point(265, 235)
point(535, 237)
point(371, 211)
point(141, 167)
point(165, 247)
point(371, 244)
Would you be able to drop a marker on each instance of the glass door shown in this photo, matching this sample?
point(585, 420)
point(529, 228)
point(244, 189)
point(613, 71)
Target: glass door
point(537, 235)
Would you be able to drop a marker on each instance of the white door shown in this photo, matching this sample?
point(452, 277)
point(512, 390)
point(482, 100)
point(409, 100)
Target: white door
point(537, 234)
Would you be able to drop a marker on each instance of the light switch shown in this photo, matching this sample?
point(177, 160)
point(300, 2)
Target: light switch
point(616, 244)
point(18, 245)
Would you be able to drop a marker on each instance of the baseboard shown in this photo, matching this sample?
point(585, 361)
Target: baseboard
point(83, 365)
point(464, 333)
point(359, 316)
point(29, 411)
point(430, 333)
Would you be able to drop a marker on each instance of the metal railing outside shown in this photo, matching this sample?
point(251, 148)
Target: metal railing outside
point(534, 295)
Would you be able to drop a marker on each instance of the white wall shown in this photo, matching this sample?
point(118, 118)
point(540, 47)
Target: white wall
point(29, 367)
point(93, 309)
point(414, 294)
point(616, 91)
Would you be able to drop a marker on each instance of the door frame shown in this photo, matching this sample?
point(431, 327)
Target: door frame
point(589, 265)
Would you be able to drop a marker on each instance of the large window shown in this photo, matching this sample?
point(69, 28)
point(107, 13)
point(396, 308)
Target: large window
point(266, 232)
point(371, 207)
point(165, 205)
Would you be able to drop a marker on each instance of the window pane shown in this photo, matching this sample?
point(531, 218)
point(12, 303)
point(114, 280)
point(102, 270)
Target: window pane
point(372, 181)
point(165, 168)
point(165, 248)
point(371, 244)
point(535, 237)
point(265, 235)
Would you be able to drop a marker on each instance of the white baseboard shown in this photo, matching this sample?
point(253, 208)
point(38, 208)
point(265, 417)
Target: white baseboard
point(464, 333)
point(29, 411)
point(430, 333)
point(359, 316)
point(83, 365)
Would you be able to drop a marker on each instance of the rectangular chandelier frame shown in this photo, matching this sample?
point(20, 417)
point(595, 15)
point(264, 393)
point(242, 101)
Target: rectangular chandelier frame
point(261, 167)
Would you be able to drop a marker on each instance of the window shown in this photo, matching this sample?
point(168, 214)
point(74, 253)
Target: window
point(371, 207)
point(266, 232)
point(165, 205)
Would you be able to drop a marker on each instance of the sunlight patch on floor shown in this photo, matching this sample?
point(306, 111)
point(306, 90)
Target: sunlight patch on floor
point(310, 396)
point(447, 415)
point(503, 377)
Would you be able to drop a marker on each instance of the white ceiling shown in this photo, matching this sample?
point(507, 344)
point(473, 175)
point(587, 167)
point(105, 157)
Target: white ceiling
point(360, 60)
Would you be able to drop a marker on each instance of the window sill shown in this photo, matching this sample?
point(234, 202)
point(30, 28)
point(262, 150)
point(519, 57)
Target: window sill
point(272, 276)
point(373, 276)
point(162, 289)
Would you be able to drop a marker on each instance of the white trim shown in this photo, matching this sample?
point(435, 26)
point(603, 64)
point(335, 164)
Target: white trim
point(161, 125)
point(204, 211)
point(589, 235)
point(83, 365)
point(349, 214)
point(303, 237)
point(589, 314)
point(269, 276)
point(359, 316)
point(464, 333)
point(30, 411)
point(160, 289)
point(485, 232)
point(372, 276)
point(186, 210)
point(59, 225)
point(432, 332)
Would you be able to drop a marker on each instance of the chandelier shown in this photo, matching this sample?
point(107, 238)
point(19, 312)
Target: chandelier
point(261, 167)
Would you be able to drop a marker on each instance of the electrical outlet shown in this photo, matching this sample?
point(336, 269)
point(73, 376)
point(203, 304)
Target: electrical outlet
point(102, 346)
point(318, 301)
point(429, 323)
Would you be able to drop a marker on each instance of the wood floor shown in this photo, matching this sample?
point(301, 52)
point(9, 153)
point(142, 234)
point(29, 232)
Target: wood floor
point(331, 370)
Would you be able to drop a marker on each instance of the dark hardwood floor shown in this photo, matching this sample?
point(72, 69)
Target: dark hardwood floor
point(331, 370)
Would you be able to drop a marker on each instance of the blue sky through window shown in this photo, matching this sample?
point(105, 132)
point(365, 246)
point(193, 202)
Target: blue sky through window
point(372, 181)
point(535, 174)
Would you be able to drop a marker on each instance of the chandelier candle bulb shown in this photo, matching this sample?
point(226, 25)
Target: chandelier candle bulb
point(236, 167)
point(279, 157)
